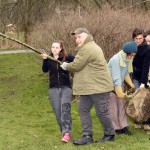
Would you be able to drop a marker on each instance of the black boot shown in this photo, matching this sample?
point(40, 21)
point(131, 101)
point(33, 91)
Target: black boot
point(106, 138)
point(86, 139)
point(119, 131)
point(126, 131)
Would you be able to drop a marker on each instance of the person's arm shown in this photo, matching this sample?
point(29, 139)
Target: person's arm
point(129, 82)
point(145, 68)
point(114, 67)
point(80, 61)
point(45, 65)
point(70, 58)
point(119, 92)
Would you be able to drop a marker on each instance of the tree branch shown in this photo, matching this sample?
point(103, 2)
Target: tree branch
point(28, 46)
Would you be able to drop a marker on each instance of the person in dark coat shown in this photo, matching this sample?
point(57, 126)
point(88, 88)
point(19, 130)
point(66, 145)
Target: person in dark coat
point(147, 39)
point(141, 64)
point(60, 87)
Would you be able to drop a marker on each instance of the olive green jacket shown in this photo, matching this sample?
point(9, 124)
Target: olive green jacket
point(91, 73)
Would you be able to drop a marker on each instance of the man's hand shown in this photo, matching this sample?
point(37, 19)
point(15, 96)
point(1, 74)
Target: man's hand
point(64, 66)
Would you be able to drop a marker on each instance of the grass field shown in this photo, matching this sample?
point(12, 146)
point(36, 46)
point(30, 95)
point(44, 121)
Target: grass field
point(27, 121)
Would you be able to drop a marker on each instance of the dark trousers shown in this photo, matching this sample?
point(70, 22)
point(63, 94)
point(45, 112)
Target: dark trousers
point(100, 102)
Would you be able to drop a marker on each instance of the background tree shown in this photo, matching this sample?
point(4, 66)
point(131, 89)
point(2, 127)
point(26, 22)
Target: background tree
point(25, 14)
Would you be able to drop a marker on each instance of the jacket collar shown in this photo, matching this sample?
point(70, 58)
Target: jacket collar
point(143, 44)
point(60, 56)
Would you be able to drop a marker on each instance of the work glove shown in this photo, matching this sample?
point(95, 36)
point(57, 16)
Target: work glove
point(148, 84)
point(145, 85)
point(64, 66)
point(128, 80)
point(119, 92)
point(128, 97)
point(142, 85)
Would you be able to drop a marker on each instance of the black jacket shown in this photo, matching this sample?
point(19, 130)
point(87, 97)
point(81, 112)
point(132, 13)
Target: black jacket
point(141, 64)
point(57, 76)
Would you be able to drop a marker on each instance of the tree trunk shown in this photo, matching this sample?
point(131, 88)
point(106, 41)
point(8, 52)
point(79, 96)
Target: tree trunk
point(26, 34)
point(145, 5)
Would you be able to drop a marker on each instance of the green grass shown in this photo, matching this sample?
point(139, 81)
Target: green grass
point(27, 121)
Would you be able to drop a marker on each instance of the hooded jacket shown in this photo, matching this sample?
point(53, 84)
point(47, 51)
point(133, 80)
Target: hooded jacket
point(91, 73)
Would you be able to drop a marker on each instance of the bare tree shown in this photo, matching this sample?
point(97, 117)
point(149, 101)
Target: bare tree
point(146, 4)
point(25, 13)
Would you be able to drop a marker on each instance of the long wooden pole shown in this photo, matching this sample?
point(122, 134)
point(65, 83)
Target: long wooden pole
point(28, 46)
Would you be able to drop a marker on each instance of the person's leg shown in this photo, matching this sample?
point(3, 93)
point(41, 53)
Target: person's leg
point(122, 117)
point(66, 98)
point(101, 103)
point(136, 84)
point(55, 94)
point(85, 105)
point(113, 111)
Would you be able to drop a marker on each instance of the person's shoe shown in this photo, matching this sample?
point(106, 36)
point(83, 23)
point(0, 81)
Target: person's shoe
point(146, 127)
point(85, 139)
point(66, 138)
point(126, 131)
point(148, 133)
point(118, 131)
point(106, 138)
point(137, 126)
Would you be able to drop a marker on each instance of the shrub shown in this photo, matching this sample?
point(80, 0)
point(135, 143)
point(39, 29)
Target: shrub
point(110, 28)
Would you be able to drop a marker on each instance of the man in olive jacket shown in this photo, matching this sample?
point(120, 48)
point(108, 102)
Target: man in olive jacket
point(92, 81)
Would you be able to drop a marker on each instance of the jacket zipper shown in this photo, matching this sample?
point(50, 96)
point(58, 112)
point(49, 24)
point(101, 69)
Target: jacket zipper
point(65, 75)
point(58, 76)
